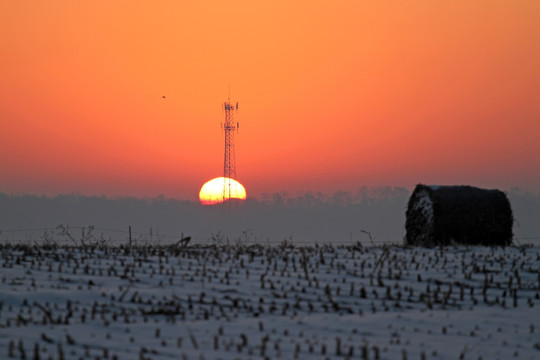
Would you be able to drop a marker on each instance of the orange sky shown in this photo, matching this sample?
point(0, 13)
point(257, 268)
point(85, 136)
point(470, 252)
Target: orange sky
point(333, 95)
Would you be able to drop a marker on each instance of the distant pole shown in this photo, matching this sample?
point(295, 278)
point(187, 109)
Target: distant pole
point(129, 235)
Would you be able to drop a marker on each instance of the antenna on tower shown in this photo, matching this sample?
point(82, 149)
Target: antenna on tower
point(229, 164)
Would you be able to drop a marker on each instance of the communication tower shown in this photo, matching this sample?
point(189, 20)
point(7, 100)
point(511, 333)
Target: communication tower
point(229, 127)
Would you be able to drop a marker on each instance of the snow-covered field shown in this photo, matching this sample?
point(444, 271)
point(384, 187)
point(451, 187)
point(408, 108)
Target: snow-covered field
point(275, 302)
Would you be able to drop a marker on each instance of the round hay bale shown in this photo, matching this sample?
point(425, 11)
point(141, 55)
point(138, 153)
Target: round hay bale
point(448, 215)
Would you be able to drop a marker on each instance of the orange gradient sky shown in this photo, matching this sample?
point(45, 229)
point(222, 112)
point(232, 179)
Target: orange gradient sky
point(334, 95)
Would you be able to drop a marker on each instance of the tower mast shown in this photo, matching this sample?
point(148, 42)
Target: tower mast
point(229, 165)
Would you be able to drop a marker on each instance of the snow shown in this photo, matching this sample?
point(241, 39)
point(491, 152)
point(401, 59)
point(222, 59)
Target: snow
point(424, 205)
point(275, 302)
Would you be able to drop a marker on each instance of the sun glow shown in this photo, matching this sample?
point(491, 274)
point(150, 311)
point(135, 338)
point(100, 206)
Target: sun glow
point(221, 189)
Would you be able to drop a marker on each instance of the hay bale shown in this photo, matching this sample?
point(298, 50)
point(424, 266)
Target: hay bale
point(447, 215)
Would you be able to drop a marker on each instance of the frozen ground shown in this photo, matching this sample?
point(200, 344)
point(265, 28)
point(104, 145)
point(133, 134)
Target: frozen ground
point(275, 302)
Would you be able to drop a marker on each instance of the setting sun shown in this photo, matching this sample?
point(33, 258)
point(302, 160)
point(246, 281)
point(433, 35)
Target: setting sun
point(221, 189)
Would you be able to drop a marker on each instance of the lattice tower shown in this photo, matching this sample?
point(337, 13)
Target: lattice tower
point(229, 127)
